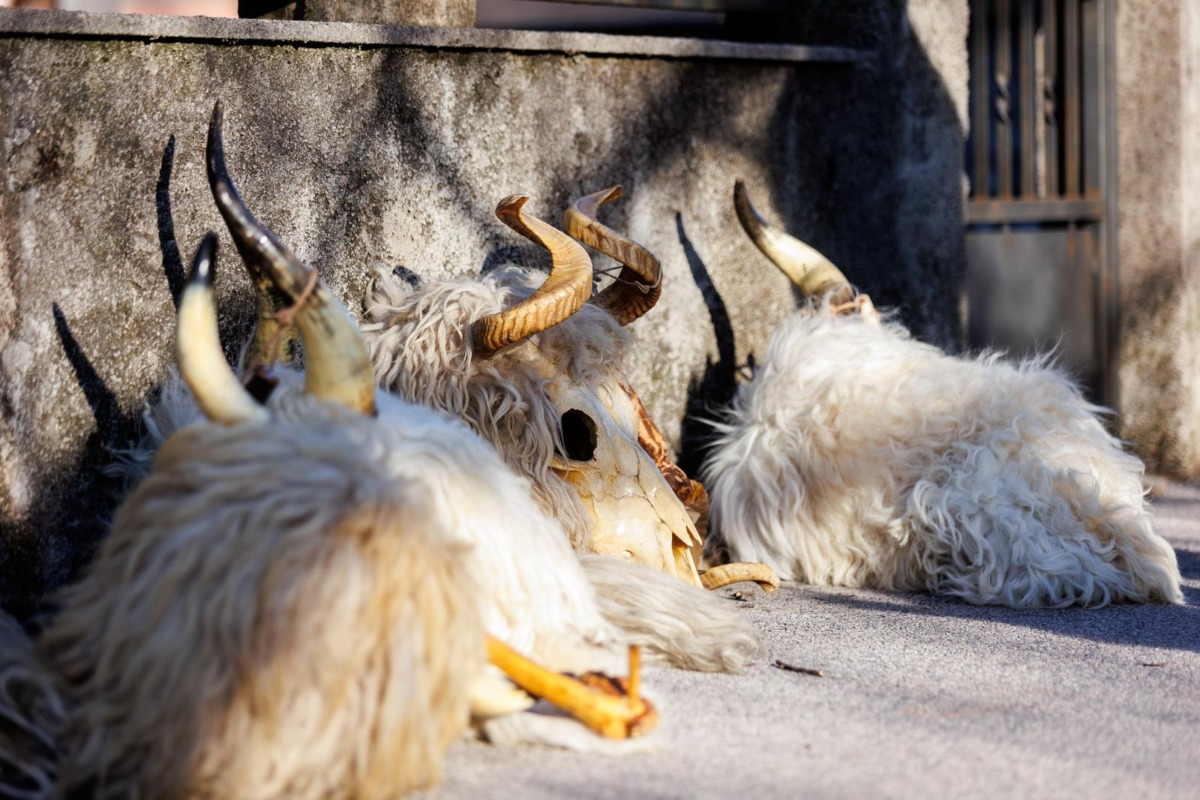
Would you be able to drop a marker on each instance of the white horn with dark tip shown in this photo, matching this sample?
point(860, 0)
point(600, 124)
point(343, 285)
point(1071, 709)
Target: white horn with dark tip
point(202, 363)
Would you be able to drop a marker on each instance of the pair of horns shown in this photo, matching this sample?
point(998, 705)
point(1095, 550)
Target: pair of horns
point(633, 293)
point(814, 274)
point(337, 366)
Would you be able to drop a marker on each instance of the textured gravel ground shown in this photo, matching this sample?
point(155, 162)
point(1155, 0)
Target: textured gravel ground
point(922, 697)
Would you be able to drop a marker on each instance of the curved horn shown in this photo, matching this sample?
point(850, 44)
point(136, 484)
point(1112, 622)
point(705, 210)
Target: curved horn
point(637, 288)
point(564, 292)
point(201, 361)
point(257, 247)
point(337, 366)
point(813, 273)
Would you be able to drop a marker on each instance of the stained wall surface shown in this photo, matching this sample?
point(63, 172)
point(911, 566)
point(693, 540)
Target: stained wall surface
point(1158, 106)
point(363, 146)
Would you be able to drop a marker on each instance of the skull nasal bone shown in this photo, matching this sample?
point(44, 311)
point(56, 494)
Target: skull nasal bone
point(579, 435)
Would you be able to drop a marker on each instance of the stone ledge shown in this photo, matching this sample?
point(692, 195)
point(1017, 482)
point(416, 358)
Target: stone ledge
point(26, 23)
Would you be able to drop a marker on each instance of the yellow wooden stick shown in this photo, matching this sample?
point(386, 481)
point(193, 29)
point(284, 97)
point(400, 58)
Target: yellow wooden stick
point(603, 704)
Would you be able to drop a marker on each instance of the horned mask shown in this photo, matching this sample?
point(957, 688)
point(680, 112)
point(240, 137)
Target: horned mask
point(338, 370)
point(634, 514)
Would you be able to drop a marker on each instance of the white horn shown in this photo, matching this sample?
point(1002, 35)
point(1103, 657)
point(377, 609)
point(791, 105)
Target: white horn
point(201, 361)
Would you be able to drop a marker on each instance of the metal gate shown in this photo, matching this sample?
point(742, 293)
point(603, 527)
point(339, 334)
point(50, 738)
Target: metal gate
point(1041, 159)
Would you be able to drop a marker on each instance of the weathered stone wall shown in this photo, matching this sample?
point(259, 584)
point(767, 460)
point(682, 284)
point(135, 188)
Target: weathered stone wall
point(363, 145)
point(1158, 94)
point(916, 107)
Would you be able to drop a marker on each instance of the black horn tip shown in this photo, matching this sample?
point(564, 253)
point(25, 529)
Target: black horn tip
point(216, 146)
point(747, 214)
point(204, 264)
point(739, 192)
point(229, 202)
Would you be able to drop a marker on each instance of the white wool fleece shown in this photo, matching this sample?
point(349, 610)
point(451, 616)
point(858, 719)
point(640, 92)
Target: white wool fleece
point(860, 457)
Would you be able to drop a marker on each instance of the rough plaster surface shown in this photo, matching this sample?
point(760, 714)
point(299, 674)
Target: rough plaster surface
point(922, 697)
point(391, 154)
point(919, 103)
point(1158, 106)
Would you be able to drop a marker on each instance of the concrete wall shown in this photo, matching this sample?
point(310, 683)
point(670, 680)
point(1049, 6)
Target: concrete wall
point(1158, 93)
point(915, 105)
point(366, 145)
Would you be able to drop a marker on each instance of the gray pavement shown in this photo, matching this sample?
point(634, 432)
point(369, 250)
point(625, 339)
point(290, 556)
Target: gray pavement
point(922, 697)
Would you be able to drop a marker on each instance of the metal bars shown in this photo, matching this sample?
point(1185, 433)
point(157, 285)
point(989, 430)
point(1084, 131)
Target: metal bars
point(1002, 99)
point(1050, 146)
point(980, 112)
point(1041, 234)
point(1028, 101)
point(1028, 87)
point(1071, 122)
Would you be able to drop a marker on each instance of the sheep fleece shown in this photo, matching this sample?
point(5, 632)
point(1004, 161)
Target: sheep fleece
point(860, 457)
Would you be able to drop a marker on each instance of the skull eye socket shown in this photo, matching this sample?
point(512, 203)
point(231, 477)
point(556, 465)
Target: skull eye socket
point(578, 435)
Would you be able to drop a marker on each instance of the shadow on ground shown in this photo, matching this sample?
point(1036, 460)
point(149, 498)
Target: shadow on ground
point(1170, 627)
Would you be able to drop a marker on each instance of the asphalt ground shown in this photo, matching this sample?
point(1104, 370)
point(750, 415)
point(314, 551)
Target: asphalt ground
point(921, 697)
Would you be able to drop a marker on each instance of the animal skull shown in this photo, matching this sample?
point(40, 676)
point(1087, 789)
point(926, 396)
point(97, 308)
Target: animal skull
point(635, 514)
point(633, 511)
point(638, 471)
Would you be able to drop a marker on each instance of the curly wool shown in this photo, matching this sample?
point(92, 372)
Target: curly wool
point(680, 625)
point(296, 608)
point(419, 347)
point(417, 339)
point(272, 615)
point(524, 559)
point(860, 457)
point(530, 590)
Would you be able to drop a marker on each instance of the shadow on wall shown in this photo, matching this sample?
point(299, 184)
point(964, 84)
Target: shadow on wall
point(879, 205)
point(647, 143)
point(884, 202)
point(57, 559)
point(172, 264)
point(94, 488)
point(713, 392)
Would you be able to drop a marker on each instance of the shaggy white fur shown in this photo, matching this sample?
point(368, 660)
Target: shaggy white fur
point(860, 457)
point(297, 608)
point(274, 614)
point(523, 558)
point(648, 606)
point(532, 594)
point(417, 339)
